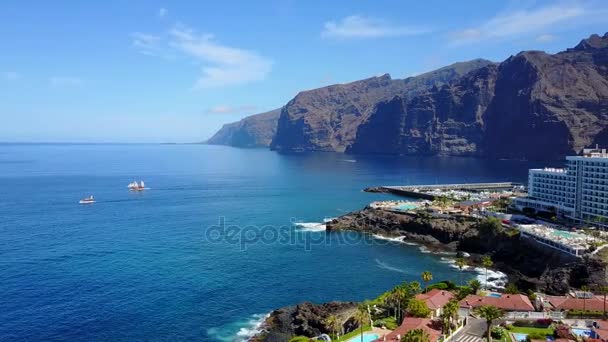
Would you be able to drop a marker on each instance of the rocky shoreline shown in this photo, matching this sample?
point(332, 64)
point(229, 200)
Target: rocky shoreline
point(527, 264)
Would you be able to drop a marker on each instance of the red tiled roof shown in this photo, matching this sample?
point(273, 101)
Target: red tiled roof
point(435, 298)
point(507, 302)
point(570, 303)
point(411, 323)
point(602, 331)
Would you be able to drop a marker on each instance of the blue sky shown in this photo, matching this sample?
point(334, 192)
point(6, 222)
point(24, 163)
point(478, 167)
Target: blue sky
point(175, 71)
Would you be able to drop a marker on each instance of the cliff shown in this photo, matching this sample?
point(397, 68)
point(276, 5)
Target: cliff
point(327, 119)
point(533, 105)
point(252, 131)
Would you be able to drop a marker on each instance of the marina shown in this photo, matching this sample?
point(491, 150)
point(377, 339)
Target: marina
point(431, 192)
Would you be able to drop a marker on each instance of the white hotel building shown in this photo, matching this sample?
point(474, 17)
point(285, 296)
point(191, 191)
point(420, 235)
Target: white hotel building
point(579, 191)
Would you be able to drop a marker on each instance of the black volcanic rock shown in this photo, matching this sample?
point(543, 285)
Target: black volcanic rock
point(327, 119)
point(252, 131)
point(531, 106)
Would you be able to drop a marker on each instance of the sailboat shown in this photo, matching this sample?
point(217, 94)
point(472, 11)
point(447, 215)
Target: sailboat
point(134, 186)
point(87, 200)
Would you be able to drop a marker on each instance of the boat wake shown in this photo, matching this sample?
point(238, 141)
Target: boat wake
point(386, 266)
point(239, 331)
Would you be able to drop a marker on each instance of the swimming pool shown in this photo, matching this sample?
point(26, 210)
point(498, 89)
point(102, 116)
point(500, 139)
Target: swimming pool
point(520, 337)
point(495, 295)
point(367, 337)
point(405, 207)
point(584, 332)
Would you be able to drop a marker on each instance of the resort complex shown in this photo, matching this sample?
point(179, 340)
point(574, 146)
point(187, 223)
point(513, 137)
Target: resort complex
point(578, 192)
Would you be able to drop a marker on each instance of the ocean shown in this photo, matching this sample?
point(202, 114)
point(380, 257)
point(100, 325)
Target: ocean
point(221, 237)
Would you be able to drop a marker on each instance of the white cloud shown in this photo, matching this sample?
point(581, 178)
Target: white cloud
point(65, 81)
point(146, 43)
point(356, 26)
point(10, 76)
point(227, 109)
point(162, 12)
point(543, 38)
point(221, 65)
point(519, 22)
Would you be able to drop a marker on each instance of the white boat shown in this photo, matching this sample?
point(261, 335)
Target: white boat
point(134, 186)
point(87, 200)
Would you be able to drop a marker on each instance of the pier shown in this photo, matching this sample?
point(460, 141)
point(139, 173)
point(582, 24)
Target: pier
point(420, 191)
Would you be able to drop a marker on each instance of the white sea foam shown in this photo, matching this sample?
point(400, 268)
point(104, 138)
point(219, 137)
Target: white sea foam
point(239, 331)
point(311, 226)
point(496, 279)
point(349, 160)
point(387, 238)
point(253, 328)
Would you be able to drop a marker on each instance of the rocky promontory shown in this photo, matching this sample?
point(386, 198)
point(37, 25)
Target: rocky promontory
point(305, 319)
point(528, 264)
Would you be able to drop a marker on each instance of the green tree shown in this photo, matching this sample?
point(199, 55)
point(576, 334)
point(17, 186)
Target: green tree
point(361, 317)
point(487, 263)
point(490, 314)
point(491, 226)
point(333, 323)
point(426, 278)
point(461, 263)
point(416, 335)
point(475, 285)
point(395, 299)
point(418, 308)
point(585, 288)
point(511, 289)
point(414, 287)
point(449, 315)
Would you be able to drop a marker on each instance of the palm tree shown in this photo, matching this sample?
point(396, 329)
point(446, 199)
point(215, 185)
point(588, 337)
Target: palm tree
point(361, 317)
point(416, 335)
point(585, 289)
point(475, 285)
point(426, 277)
point(334, 324)
point(487, 263)
point(395, 298)
point(415, 287)
point(449, 314)
point(603, 290)
point(489, 313)
point(461, 263)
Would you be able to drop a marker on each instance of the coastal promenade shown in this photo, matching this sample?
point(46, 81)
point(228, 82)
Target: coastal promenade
point(421, 191)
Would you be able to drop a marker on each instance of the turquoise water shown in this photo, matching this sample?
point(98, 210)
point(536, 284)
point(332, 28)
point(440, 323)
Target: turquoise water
point(520, 337)
point(367, 337)
point(147, 265)
point(406, 207)
point(584, 332)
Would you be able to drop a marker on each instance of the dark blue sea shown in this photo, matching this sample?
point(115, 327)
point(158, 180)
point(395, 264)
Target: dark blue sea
point(158, 265)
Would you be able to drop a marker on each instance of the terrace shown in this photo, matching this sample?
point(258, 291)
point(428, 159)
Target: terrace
point(573, 243)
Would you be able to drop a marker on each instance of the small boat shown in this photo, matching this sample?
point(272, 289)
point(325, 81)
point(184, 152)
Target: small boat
point(134, 186)
point(88, 200)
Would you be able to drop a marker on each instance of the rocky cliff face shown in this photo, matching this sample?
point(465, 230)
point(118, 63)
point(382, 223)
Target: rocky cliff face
point(327, 119)
point(527, 263)
point(252, 131)
point(443, 120)
point(533, 106)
